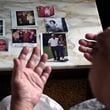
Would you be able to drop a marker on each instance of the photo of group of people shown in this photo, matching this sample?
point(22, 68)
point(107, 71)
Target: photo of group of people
point(55, 45)
point(25, 18)
point(23, 36)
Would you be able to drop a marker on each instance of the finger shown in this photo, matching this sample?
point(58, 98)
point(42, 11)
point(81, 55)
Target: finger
point(88, 56)
point(40, 67)
point(91, 36)
point(17, 67)
point(34, 57)
point(23, 53)
point(46, 74)
point(85, 49)
point(86, 43)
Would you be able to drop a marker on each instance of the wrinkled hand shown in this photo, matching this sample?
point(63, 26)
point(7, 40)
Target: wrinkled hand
point(87, 45)
point(28, 79)
point(99, 76)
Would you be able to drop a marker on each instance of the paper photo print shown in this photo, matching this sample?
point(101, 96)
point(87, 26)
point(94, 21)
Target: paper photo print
point(55, 46)
point(3, 45)
point(23, 18)
point(55, 25)
point(45, 11)
point(21, 36)
point(2, 27)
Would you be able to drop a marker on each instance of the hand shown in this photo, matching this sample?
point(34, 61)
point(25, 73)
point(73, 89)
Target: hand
point(87, 45)
point(28, 79)
point(99, 76)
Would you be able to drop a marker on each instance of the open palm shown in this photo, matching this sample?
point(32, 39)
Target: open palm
point(28, 79)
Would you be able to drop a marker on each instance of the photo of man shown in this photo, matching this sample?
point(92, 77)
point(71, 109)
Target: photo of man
point(55, 46)
point(55, 25)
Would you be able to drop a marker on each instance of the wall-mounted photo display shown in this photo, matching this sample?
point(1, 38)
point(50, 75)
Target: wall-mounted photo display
point(45, 11)
point(55, 25)
point(2, 27)
point(22, 37)
point(4, 44)
point(55, 45)
point(23, 17)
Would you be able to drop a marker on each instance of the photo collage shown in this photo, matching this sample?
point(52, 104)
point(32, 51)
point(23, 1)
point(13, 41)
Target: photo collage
point(25, 31)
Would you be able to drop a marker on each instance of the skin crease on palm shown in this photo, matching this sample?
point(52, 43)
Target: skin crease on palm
point(28, 79)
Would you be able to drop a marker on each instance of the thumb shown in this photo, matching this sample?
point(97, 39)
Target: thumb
point(16, 67)
point(16, 62)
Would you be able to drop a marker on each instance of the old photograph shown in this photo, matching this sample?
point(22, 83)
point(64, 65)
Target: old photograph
point(24, 35)
point(55, 25)
point(45, 11)
point(2, 27)
point(23, 18)
point(55, 45)
point(3, 45)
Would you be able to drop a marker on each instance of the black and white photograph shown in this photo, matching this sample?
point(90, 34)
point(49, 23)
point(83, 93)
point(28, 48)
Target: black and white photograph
point(55, 45)
point(3, 45)
point(2, 27)
point(21, 36)
point(55, 25)
point(23, 18)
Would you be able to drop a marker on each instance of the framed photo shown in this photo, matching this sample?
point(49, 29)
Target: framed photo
point(55, 45)
point(45, 11)
point(4, 44)
point(55, 25)
point(2, 27)
point(23, 17)
point(23, 37)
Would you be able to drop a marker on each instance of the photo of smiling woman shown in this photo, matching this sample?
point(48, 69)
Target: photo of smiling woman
point(3, 45)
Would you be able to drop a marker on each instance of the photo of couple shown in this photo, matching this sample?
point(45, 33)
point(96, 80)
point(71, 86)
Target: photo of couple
point(55, 46)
